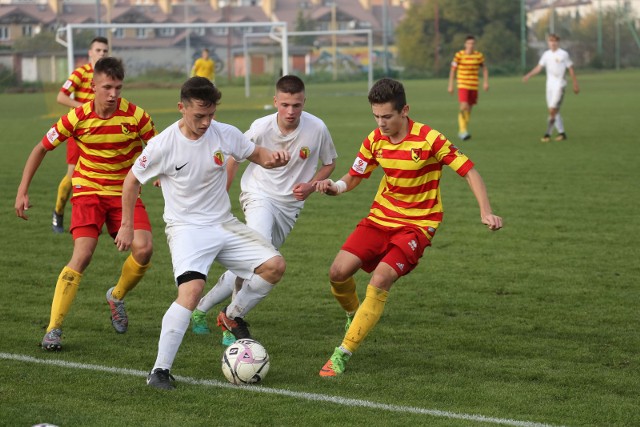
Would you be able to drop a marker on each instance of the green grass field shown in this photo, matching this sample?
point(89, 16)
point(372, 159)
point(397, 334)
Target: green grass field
point(536, 324)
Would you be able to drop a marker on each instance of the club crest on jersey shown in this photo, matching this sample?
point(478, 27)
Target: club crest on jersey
point(52, 135)
point(416, 153)
point(218, 158)
point(304, 153)
point(127, 128)
point(359, 165)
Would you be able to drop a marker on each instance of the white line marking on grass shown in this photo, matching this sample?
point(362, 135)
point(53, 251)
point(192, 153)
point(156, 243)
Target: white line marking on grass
point(282, 392)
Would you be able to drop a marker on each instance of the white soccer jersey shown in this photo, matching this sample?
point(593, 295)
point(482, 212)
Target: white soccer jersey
point(193, 173)
point(308, 144)
point(556, 64)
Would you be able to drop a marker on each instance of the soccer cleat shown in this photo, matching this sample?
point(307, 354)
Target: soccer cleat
point(52, 340)
point(545, 138)
point(336, 364)
point(227, 338)
point(119, 318)
point(161, 378)
point(57, 222)
point(199, 323)
point(350, 317)
point(238, 327)
point(561, 137)
point(465, 136)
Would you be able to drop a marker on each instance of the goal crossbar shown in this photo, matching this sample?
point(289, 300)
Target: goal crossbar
point(68, 29)
point(284, 41)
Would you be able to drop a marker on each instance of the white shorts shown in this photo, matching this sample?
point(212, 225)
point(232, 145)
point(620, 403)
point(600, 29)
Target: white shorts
point(555, 93)
point(273, 219)
point(233, 244)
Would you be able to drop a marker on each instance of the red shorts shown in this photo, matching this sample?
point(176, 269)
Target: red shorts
point(400, 248)
point(91, 212)
point(73, 152)
point(469, 96)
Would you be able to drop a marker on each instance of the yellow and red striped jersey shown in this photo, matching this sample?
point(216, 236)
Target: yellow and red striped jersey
point(467, 66)
point(409, 192)
point(79, 83)
point(108, 146)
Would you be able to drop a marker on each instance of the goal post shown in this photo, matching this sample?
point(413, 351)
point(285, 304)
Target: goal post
point(68, 31)
point(283, 39)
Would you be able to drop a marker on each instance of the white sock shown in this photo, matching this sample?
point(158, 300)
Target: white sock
point(559, 124)
point(253, 291)
point(220, 292)
point(174, 325)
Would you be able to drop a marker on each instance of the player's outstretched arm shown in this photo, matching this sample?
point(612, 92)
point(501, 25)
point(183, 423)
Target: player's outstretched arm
point(31, 166)
point(302, 190)
point(330, 188)
point(532, 73)
point(130, 191)
point(479, 190)
point(269, 159)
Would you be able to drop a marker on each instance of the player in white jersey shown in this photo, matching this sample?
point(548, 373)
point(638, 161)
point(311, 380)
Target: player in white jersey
point(190, 158)
point(556, 61)
point(272, 199)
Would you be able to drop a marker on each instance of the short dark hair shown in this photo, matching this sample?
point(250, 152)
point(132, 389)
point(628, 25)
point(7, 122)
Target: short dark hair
point(201, 89)
point(470, 37)
point(388, 90)
point(554, 36)
point(110, 66)
point(290, 84)
point(99, 39)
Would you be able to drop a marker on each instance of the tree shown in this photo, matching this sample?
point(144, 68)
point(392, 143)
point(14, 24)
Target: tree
point(491, 22)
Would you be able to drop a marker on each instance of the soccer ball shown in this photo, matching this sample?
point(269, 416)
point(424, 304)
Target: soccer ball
point(245, 361)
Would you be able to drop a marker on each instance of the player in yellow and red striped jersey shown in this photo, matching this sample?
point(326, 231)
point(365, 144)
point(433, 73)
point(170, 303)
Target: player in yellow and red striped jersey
point(73, 93)
point(466, 65)
point(404, 216)
point(110, 133)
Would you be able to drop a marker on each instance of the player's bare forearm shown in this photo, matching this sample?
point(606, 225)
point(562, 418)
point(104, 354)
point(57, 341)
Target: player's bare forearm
point(269, 159)
point(232, 169)
point(130, 192)
point(31, 166)
point(574, 79)
point(67, 101)
point(330, 188)
point(479, 190)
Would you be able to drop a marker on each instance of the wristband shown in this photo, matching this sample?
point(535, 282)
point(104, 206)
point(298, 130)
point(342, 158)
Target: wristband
point(341, 186)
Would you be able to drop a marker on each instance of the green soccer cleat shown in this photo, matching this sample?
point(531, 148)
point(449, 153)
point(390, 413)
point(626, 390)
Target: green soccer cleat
point(199, 323)
point(336, 364)
point(228, 338)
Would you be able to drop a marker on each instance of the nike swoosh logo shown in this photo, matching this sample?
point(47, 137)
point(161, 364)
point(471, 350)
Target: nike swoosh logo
point(178, 168)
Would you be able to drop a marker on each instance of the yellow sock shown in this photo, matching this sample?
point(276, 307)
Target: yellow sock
point(366, 318)
point(345, 294)
point(132, 272)
point(64, 191)
point(467, 118)
point(65, 293)
point(462, 122)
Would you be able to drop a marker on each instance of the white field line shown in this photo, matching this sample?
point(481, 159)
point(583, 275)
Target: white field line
point(315, 397)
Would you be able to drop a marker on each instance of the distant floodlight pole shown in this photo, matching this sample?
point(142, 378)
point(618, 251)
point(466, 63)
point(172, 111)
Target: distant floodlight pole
point(523, 36)
point(187, 58)
point(600, 29)
point(385, 43)
point(98, 7)
point(334, 44)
